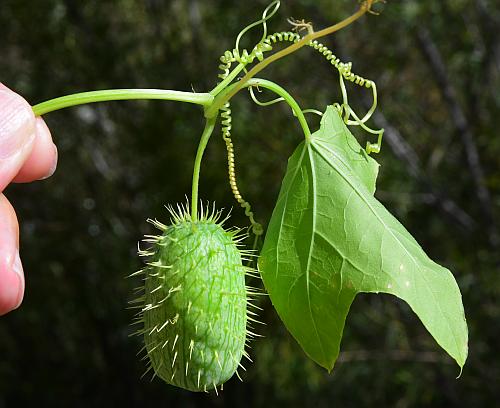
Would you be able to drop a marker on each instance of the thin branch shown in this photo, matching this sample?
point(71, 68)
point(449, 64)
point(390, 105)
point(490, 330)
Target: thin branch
point(489, 24)
point(404, 152)
point(393, 355)
point(433, 57)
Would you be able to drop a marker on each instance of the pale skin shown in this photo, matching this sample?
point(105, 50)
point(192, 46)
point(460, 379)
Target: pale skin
point(27, 153)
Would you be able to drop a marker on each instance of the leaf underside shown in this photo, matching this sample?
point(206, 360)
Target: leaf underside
point(329, 239)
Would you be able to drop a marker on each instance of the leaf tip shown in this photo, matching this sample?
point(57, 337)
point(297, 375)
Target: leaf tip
point(327, 363)
point(461, 358)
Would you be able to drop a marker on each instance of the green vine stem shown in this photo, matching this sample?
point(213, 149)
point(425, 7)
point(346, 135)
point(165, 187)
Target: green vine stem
point(278, 90)
point(234, 73)
point(210, 124)
point(242, 83)
point(204, 99)
point(207, 132)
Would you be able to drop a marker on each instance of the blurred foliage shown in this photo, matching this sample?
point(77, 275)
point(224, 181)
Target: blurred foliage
point(120, 162)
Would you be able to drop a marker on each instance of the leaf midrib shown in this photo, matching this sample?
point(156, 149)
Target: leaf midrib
point(309, 255)
point(306, 147)
point(355, 188)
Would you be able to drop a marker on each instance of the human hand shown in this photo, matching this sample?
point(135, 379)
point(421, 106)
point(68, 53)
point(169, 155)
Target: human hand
point(27, 153)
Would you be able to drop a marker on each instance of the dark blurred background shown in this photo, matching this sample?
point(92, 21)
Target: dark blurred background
point(437, 67)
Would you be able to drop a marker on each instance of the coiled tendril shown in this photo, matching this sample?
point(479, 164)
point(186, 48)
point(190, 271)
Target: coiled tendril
point(242, 57)
point(266, 44)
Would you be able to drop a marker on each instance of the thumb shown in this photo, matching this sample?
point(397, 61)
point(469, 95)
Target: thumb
point(11, 270)
point(17, 134)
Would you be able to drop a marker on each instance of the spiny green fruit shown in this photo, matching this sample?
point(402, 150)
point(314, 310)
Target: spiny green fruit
point(194, 306)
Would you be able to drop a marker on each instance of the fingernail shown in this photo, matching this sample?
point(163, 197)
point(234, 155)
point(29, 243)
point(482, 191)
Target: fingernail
point(53, 167)
point(17, 267)
point(17, 124)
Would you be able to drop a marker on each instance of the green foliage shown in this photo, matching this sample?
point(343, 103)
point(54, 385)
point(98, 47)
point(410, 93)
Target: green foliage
point(113, 168)
point(330, 239)
point(303, 223)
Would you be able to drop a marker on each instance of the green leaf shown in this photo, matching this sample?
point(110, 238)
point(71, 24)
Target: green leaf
point(330, 239)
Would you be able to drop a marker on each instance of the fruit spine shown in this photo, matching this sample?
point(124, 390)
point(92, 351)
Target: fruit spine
point(193, 307)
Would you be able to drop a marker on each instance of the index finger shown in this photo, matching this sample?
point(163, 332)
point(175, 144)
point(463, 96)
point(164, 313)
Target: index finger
point(17, 134)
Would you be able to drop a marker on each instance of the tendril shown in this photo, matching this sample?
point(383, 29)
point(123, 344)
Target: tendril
point(300, 25)
point(244, 57)
point(370, 147)
point(266, 44)
point(348, 111)
point(226, 136)
point(370, 4)
point(314, 111)
point(260, 103)
point(268, 13)
point(345, 73)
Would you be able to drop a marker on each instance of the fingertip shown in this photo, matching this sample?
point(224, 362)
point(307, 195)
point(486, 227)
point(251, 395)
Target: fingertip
point(11, 283)
point(42, 161)
point(11, 270)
